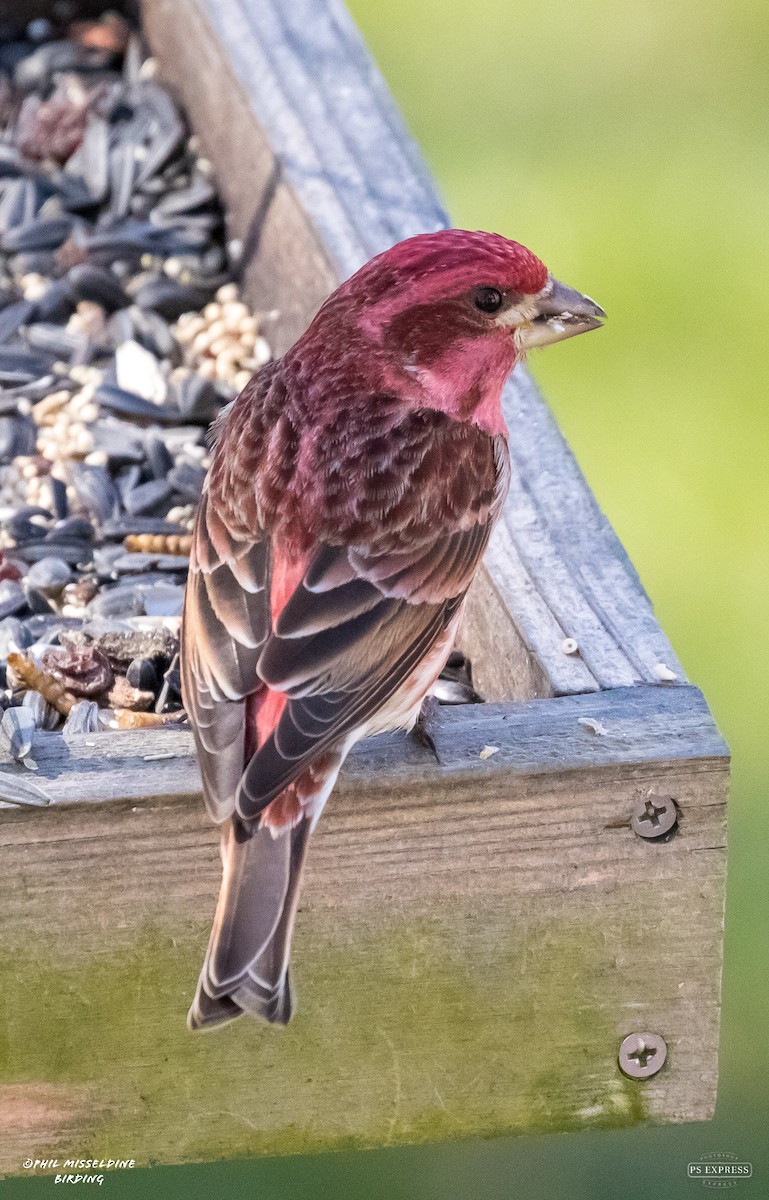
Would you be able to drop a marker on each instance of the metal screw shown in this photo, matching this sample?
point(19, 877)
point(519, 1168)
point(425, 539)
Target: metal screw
point(642, 1055)
point(654, 817)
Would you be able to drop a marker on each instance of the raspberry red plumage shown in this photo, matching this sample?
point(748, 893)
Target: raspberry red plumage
point(354, 487)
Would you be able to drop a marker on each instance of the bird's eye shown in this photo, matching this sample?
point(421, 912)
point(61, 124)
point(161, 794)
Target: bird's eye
point(488, 300)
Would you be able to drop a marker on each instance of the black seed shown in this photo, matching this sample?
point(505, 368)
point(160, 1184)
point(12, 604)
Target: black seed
point(18, 435)
point(170, 298)
point(187, 482)
point(96, 492)
point(147, 496)
point(126, 480)
point(72, 529)
point(12, 598)
point(158, 456)
point(59, 492)
point(14, 634)
point(72, 552)
point(133, 563)
point(55, 340)
point(141, 674)
point(48, 576)
point(91, 282)
point(13, 317)
point(123, 527)
point(121, 601)
point(198, 399)
point(130, 405)
point(46, 233)
point(58, 303)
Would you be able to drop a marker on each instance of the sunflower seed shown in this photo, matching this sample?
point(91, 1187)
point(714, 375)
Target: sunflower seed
point(36, 70)
point(130, 404)
point(14, 635)
point(46, 233)
point(56, 340)
point(57, 303)
point(22, 791)
point(83, 718)
point(147, 496)
point(187, 482)
point(123, 527)
point(12, 598)
point(163, 600)
point(90, 162)
point(134, 563)
point(13, 316)
point(44, 714)
point(17, 729)
point(48, 575)
point(198, 399)
point(121, 601)
point(59, 494)
point(76, 553)
point(96, 492)
point(160, 460)
point(28, 523)
point(18, 435)
point(76, 529)
point(170, 298)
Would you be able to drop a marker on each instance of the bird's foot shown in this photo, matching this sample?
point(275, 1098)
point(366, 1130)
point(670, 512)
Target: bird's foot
point(426, 725)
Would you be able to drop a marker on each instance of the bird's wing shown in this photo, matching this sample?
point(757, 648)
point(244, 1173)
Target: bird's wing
point(353, 631)
point(225, 626)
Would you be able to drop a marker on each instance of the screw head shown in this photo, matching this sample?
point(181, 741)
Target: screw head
point(642, 1055)
point(654, 817)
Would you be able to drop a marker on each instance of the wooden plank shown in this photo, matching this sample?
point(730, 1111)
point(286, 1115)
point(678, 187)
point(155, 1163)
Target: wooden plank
point(642, 725)
point(469, 953)
point(311, 152)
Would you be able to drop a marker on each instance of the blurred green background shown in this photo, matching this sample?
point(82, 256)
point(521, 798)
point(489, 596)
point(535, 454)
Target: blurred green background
point(627, 144)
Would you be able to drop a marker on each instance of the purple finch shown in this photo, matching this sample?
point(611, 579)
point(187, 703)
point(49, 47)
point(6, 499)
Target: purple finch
point(353, 490)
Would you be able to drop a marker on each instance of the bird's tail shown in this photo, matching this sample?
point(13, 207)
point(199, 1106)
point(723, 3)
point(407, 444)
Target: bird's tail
point(246, 965)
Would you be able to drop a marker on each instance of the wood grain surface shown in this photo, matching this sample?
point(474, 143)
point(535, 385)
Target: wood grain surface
point(475, 939)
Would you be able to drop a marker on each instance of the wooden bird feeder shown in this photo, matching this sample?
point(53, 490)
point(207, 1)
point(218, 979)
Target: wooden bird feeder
point(476, 936)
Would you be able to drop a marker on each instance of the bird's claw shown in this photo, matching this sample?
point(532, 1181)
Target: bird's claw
point(426, 725)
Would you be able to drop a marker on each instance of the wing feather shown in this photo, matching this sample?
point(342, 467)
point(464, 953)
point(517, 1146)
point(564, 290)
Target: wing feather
point(338, 675)
point(225, 625)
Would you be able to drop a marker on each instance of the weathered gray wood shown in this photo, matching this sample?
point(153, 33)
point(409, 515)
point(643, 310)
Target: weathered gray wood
point(475, 939)
point(311, 152)
point(643, 725)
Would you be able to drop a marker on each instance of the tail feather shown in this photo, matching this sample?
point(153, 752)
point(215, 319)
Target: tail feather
point(207, 1013)
point(246, 966)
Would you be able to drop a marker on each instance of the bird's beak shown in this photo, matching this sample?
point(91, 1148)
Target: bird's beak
point(559, 312)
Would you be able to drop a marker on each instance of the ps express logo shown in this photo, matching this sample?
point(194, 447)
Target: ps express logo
point(719, 1170)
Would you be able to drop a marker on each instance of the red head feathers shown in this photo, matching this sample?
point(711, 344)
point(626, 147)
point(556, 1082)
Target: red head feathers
point(442, 319)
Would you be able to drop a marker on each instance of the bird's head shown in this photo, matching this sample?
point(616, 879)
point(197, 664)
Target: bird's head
point(447, 315)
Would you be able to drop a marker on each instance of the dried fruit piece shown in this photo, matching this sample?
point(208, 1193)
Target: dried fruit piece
point(84, 670)
point(123, 695)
